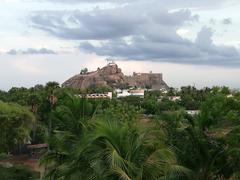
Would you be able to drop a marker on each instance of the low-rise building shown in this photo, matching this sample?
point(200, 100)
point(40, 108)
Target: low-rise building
point(175, 98)
point(192, 112)
point(132, 92)
point(230, 96)
point(170, 98)
point(164, 90)
point(97, 96)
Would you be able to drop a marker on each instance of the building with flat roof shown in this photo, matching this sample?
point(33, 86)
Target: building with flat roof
point(97, 96)
point(131, 92)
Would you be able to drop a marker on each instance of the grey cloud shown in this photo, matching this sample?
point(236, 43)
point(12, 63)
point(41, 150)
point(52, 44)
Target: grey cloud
point(12, 52)
point(204, 39)
point(227, 21)
point(83, 1)
point(137, 33)
point(202, 51)
point(31, 51)
point(162, 3)
point(111, 23)
point(212, 21)
point(83, 26)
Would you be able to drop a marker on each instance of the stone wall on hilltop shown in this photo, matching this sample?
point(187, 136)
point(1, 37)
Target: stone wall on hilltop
point(146, 80)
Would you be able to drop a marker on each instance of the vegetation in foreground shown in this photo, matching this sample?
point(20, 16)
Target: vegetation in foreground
point(18, 172)
point(127, 138)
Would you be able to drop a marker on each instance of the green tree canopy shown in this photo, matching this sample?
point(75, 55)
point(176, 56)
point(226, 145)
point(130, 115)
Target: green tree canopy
point(16, 124)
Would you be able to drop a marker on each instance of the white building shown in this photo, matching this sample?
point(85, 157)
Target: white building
point(97, 96)
point(118, 91)
point(175, 98)
point(230, 96)
point(164, 90)
point(192, 112)
point(126, 93)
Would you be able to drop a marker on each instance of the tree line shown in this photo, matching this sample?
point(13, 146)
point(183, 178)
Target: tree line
point(126, 138)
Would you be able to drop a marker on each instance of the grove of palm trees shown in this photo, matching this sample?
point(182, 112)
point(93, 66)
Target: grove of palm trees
point(130, 138)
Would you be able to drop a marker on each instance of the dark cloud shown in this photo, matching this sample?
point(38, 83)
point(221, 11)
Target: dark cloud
point(84, 26)
point(31, 51)
point(137, 32)
point(227, 21)
point(111, 23)
point(202, 51)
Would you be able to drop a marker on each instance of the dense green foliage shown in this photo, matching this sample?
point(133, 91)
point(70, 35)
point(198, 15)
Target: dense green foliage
point(129, 138)
point(16, 124)
point(114, 145)
point(17, 173)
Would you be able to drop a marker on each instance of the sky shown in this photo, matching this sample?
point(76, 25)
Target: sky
point(192, 42)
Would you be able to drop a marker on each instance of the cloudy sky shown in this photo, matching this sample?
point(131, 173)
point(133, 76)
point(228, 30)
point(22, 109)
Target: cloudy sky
point(192, 42)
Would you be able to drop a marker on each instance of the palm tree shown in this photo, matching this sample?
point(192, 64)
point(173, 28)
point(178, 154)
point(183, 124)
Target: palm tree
point(112, 149)
point(195, 147)
point(34, 101)
point(70, 112)
point(51, 88)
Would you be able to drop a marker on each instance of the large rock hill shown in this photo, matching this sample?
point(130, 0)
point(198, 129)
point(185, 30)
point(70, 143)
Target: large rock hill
point(112, 76)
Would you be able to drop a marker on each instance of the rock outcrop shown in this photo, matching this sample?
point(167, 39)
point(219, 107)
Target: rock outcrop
point(109, 75)
point(112, 76)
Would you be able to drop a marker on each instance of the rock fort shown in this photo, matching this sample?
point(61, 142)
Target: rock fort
point(112, 76)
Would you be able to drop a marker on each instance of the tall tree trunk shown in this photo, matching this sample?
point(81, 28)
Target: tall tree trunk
point(34, 132)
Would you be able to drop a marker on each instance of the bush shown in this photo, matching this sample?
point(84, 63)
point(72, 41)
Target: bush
point(18, 173)
point(3, 156)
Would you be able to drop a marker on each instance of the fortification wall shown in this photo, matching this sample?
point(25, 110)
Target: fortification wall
point(146, 80)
